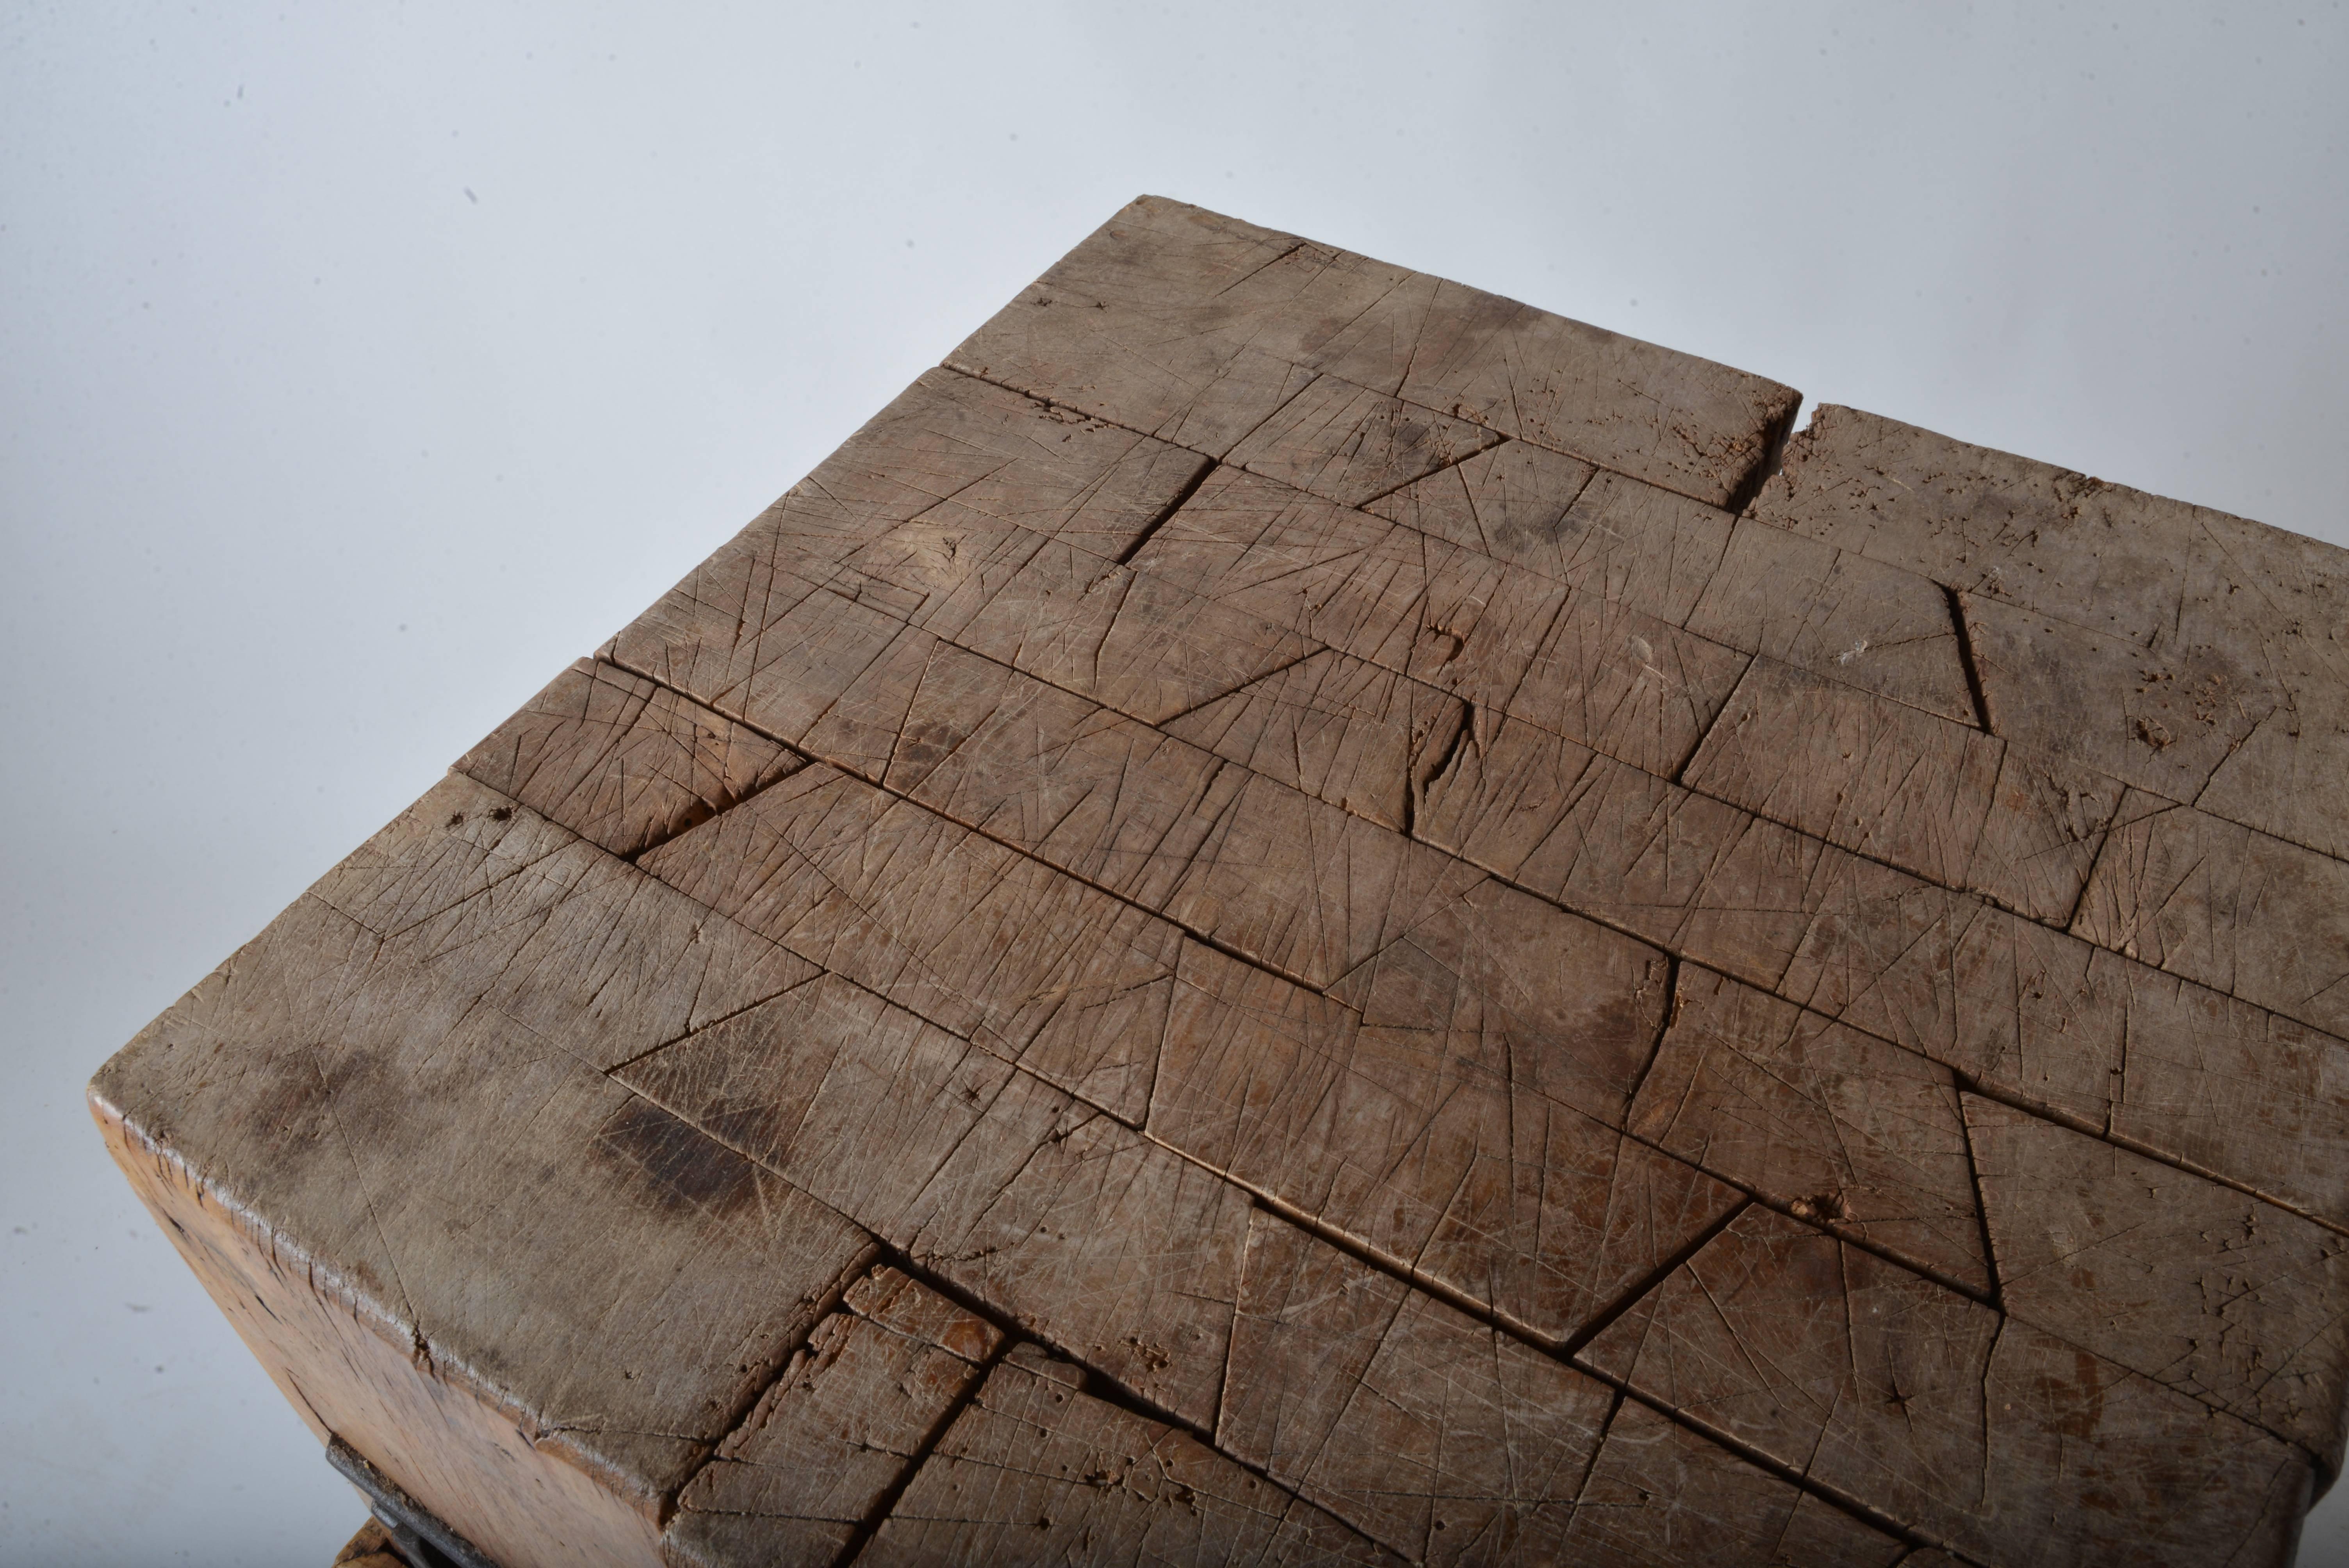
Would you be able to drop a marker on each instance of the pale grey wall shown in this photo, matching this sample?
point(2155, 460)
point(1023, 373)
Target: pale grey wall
point(361, 366)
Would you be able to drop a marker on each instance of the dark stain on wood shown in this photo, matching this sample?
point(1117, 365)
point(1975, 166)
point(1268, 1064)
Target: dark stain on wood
point(674, 1163)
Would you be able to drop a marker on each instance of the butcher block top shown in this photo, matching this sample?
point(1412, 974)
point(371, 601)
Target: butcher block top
point(1297, 914)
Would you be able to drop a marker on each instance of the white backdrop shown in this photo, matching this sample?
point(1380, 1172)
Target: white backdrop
point(360, 366)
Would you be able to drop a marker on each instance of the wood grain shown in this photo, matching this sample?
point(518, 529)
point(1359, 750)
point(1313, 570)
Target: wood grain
point(1065, 1221)
point(370, 1548)
point(624, 762)
point(1590, 530)
point(1838, 614)
point(1429, 1141)
point(2162, 1063)
point(1592, 668)
point(1622, 845)
point(1660, 1495)
point(1845, 1130)
point(1437, 1436)
point(2240, 912)
point(952, 926)
point(1351, 445)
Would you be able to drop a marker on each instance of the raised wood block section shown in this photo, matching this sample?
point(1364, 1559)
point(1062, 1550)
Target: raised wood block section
point(1268, 924)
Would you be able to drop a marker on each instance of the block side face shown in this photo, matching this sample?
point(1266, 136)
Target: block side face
point(334, 1359)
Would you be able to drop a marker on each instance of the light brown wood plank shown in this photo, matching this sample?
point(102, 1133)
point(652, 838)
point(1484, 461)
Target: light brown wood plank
point(1435, 1435)
point(1292, 882)
point(1847, 1132)
point(2193, 654)
point(837, 1432)
point(1561, 384)
point(765, 625)
point(1475, 980)
point(1926, 794)
point(851, 1099)
point(1036, 1471)
point(1591, 668)
point(1094, 1240)
point(1061, 1219)
point(1994, 1436)
point(988, 452)
point(1624, 846)
point(2161, 718)
point(1362, 737)
point(1351, 445)
point(1195, 327)
point(622, 761)
point(983, 941)
point(546, 930)
point(1841, 616)
point(2251, 915)
point(1659, 1496)
point(1134, 641)
point(2203, 1289)
point(2160, 1062)
point(1419, 1126)
point(1521, 503)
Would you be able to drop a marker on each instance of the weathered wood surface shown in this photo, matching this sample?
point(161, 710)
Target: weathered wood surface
point(1985, 1431)
point(2198, 655)
point(1197, 329)
point(1931, 795)
point(2195, 1285)
point(1258, 928)
point(819, 1457)
point(1036, 1469)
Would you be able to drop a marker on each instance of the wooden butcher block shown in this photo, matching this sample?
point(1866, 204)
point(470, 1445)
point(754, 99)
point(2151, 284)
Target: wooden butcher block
point(1296, 914)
